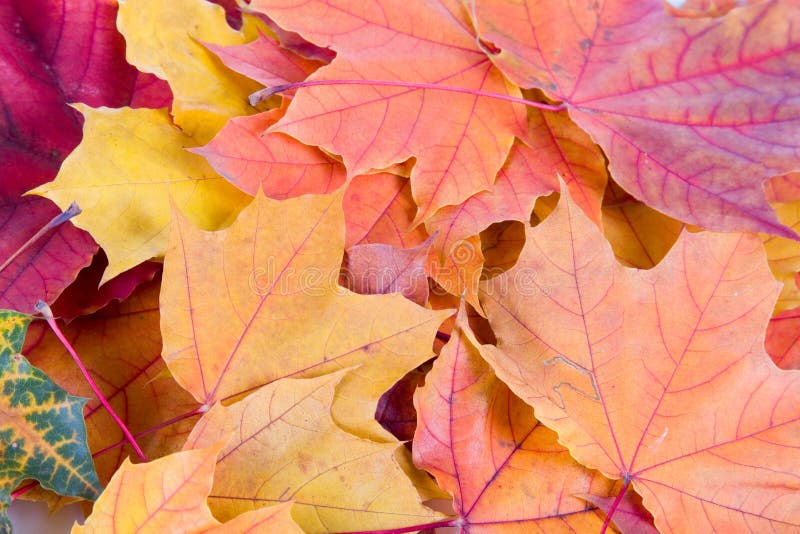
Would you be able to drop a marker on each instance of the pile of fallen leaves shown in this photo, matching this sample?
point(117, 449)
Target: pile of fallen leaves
point(396, 265)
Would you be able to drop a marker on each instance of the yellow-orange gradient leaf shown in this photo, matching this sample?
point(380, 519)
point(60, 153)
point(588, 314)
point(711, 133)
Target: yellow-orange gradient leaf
point(260, 301)
point(169, 495)
point(657, 377)
point(286, 447)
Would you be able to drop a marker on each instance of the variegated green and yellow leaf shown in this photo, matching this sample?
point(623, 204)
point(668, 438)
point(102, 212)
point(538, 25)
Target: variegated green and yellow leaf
point(42, 431)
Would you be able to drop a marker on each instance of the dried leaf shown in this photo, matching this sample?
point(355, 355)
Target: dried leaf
point(280, 166)
point(53, 53)
point(165, 38)
point(460, 141)
point(265, 61)
point(121, 347)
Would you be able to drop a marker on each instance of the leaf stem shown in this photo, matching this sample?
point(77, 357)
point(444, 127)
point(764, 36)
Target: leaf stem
point(24, 489)
point(267, 92)
point(615, 504)
point(44, 309)
point(58, 220)
point(196, 411)
point(452, 522)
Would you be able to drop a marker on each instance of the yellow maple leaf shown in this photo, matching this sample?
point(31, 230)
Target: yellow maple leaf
point(129, 165)
point(169, 495)
point(286, 447)
point(164, 38)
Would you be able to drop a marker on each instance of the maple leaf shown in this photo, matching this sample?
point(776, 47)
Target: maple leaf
point(456, 260)
point(265, 61)
point(295, 42)
point(691, 125)
point(60, 55)
point(125, 185)
point(656, 377)
point(286, 447)
point(559, 148)
point(41, 426)
point(44, 268)
point(121, 347)
point(169, 495)
point(553, 146)
point(460, 141)
point(274, 163)
point(504, 469)
point(273, 275)
point(164, 38)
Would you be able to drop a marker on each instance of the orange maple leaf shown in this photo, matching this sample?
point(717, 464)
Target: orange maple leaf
point(656, 377)
point(460, 141)
point(259, 301)
point(505, 470)
point(169, 495)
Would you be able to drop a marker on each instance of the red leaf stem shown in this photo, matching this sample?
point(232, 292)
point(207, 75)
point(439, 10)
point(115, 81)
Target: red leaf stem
point(44, 309)
point(267, 92)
